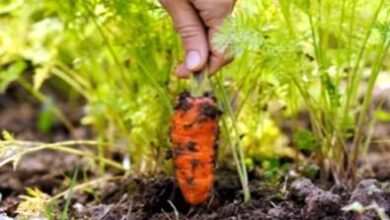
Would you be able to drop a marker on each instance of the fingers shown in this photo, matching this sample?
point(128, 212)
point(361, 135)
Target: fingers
point(193, 35)
point(219, 56)
point(213, 14)
point(217, 62)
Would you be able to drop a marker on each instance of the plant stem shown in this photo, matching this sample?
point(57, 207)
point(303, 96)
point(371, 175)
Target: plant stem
point(61, 146)
point(354, 76)
point(237, 150)
point(364, 110)
point(40, 97)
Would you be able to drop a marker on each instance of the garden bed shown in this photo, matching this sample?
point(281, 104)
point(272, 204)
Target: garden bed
point(119, 196)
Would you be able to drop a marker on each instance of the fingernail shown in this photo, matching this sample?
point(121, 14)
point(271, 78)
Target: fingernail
point(193, 60)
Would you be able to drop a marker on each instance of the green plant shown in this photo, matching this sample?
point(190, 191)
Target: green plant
point(11, 150)
point(119, 55)
point(313, 54)
point(69, 196)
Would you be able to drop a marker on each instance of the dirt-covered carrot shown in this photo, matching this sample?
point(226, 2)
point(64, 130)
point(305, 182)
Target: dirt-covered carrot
point(194, 136)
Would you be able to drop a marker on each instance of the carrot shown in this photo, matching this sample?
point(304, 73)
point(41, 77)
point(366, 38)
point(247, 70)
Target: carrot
point(194, 135)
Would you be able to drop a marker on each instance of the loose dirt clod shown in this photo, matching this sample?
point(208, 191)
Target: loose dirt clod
point(277, 213)
point(302, 188)
point(368, 192)
point(319, 204)
point(322, 205)
point(339, 189)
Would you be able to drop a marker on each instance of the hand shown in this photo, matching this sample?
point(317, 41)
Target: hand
point(197, 21)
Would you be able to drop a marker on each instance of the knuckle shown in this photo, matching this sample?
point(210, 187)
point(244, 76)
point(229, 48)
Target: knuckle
point(216, 11)
point(189, 30)
point(223, 4)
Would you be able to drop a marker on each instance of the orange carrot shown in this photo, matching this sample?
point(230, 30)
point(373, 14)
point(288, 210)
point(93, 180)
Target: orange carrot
point(194, 135)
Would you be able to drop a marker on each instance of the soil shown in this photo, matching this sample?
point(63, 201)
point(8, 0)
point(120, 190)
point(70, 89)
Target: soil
point(140, 198)
point(159, 197)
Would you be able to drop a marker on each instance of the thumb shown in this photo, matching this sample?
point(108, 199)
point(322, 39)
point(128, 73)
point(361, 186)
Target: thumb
point(193, 35)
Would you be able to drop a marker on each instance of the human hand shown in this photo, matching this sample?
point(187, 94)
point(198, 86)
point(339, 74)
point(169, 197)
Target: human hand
point(197, 21)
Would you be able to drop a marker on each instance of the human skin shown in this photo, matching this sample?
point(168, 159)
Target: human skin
point(197, 21)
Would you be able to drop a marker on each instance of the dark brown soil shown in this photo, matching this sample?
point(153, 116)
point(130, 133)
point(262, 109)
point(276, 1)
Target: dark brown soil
point(149, 198)
point(158, 197)
point(45, 170)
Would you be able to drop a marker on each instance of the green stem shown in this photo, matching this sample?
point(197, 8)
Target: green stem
point(40, 97)
point(237, 150)
point(61, 146)
point(285, 6)
point(88, 184)
point(354, 77)
point(365, 106)
point(107, 43)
